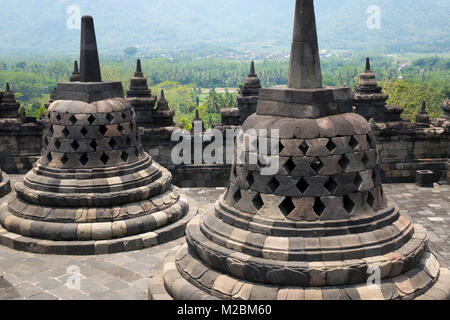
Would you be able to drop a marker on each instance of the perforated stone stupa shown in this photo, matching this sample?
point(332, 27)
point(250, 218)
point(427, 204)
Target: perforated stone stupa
point(321, 225)
point(93, 190)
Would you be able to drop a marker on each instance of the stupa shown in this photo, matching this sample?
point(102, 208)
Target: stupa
point(162, 115)
point(9, 107)
point(76, 73)
point(247, 100)
point(141, 98)
point(370, 101)
point(321, 227)
point(423, 118)
point(93, 190)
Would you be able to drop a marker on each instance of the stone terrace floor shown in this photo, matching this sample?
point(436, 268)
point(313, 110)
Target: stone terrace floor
point(126, 275)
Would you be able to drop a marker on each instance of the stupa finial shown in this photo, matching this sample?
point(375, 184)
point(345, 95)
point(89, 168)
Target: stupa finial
point(367, 64)
point(138, 73)
point(138, 66)
point(305, 71)
point(8, 88)
point(89, 61)
point(252, 69)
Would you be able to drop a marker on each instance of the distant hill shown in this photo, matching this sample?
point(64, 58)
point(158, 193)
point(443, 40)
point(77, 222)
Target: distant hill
point(39, 26)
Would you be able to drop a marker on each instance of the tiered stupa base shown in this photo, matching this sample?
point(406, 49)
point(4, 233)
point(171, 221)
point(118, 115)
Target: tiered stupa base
point(245, 265)
point(57, 212)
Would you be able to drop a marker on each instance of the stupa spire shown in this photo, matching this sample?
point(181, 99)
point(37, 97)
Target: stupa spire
point(138, 72)
point(305, 71)
point(8, 88)
point(367, 64)
point(76, 73)
point(252, 70)
point(89, 61)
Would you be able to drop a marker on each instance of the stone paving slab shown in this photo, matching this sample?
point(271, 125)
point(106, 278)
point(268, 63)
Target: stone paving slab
point(128, 275)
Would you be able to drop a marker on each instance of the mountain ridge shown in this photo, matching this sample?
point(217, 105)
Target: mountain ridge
point(39, 26)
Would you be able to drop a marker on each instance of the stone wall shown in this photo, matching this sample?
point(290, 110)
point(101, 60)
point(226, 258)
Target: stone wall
point(20, 145)
point(406, 149)
point(157, 142)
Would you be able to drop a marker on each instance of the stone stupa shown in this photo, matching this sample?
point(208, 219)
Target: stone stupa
point(141, 97)
point(94, 190)
point(321, 226)
point(247, 100)
point(369, 99)
point(9, 107)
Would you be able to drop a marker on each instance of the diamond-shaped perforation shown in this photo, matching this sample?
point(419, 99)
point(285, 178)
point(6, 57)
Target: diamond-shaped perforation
point(128, 141)
point(57, 144)
point(75, 145)
point(331, 146)
point(287, 206)
point(358, 181)
point(58, 117)
point(234, 172)
point(73, 119)
point(302, 185)
point(237, 195)
point(258, 202)
point(331, 185)
point(51, 130)
point(304, 147)
point(49, 157)
point(280, 147)
point(289, 166)
point(318, 207)
point(120, 128)
point(124, 156)
point(65, 132)
point(84, 131)
point(349, 205)
point(136, 152)
point(365, 159)
point(317, 165)
point(273, 184)
point(109, 117)
point(112, 143)
point(103, 130)
point(344, 162)
point(45, 142)
point(370, 199)
point(124, 115)
point(250, 180)
point(353, 143)
point(91, 119)
point(94, 145)
point(64, 159)
point(104, 158)
point(84, 159)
